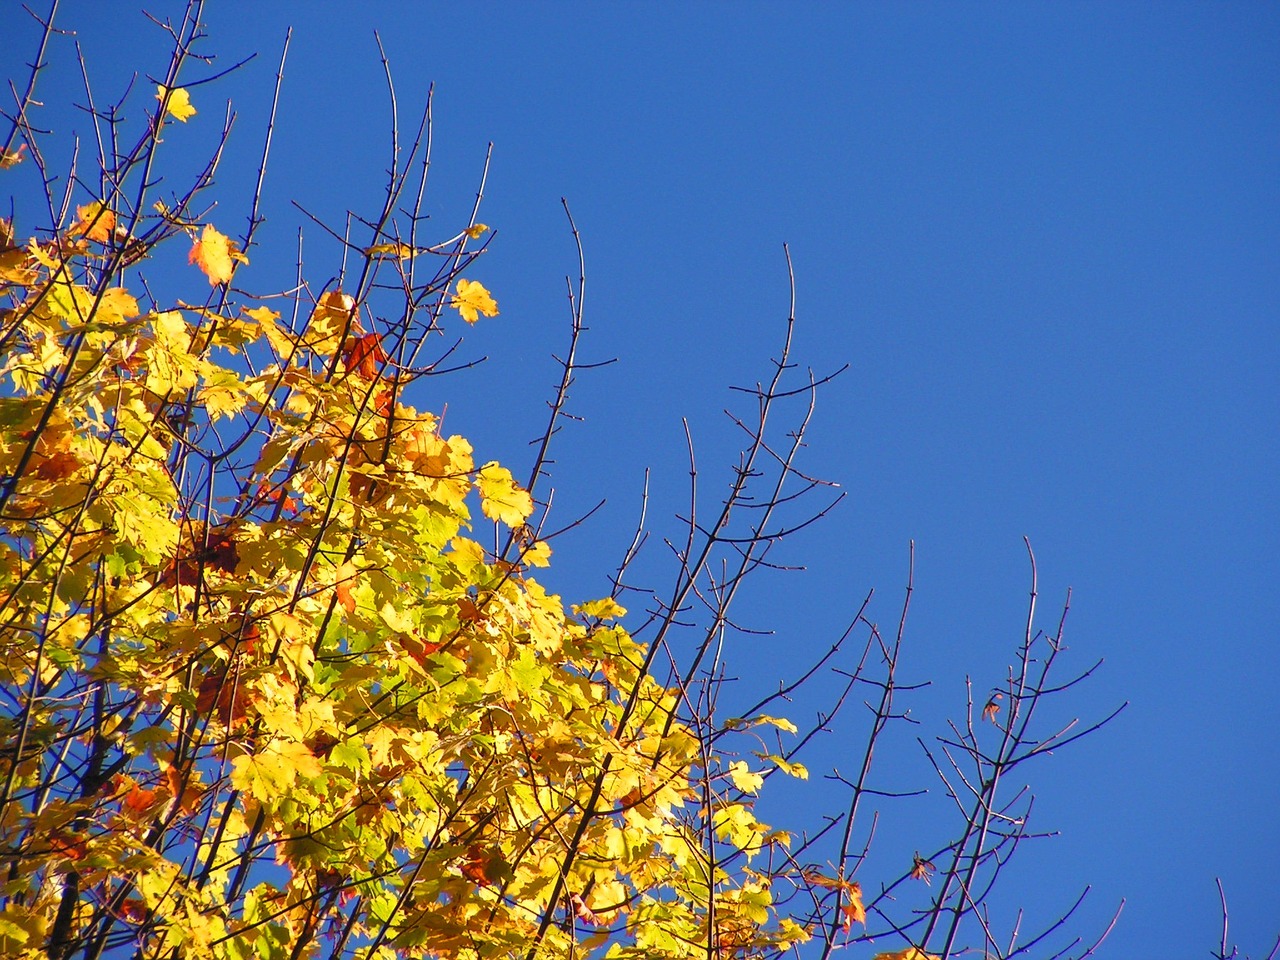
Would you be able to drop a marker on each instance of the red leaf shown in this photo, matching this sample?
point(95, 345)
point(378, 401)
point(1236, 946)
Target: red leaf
point(223, 692)
point(364, 355)
point(478, 865)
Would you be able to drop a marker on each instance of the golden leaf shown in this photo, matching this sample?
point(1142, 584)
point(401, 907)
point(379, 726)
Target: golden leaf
point(853, 911)
point(390, 251)
point(476, 232)
point(606, 609)
point(178, 102)
point(472, 299)
point(501, 498)
point(95, 222)
point(216, 255)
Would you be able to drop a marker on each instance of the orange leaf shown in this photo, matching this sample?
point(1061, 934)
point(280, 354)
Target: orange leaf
point(139, 800)
point(182, 789)
point(67, 845)
point(478, 865)
point(853, 911)
point(419, 649)
point(992, 708)
point(11, 158)
point(95, 222)
point(364, 355)
point(346, 579)
point(57, 466)
point(216, 255)
point(921, 868)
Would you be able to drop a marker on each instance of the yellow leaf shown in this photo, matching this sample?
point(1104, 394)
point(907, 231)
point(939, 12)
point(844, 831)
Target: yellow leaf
point(501, 498)
point(476, 232)
point(94, 222)
point(269, 774)
point(116, 306)
point(736, 823)
point(606, 609)
point(391, 251)
point(216, 255)
point(397, 620)
point(279, 338)
point(743, 778)
point(782, 723)
point(472, 299)
point(538, 555)
point(178, 105)
point(335, 315)
point(911, 953)
point(797, 770)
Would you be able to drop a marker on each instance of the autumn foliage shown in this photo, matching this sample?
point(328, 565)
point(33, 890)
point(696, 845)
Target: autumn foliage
point(266, 692)
point(279, 675)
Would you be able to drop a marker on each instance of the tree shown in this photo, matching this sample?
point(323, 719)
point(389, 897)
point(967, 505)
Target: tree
point(278, 675)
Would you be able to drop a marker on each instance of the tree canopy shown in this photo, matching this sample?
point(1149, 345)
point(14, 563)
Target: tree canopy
point(279, 675)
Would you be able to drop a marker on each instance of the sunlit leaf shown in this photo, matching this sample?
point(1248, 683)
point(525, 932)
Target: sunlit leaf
point(992, 708)
point(95, 222)
point(501, 498)
point(178, 105)
point(390, 251)
point(743, 779)
point(604, 609)
point(472, 299)
point(910, 953)
point(11, 158)
point(216, 255)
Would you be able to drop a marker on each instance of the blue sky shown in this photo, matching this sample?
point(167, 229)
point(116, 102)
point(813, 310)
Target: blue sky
point(1045, 237)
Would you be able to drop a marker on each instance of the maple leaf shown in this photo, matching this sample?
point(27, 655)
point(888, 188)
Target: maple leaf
point(852, 909)
point(501, 498)
point(390, 251)
point(69, 846)
point(222, 692)
point(347, 574)
point(582, 911)
point(921, 868)
point(216, 255)
point(479, 865)
point(743, 779)
point(364, 355)
point(476, 232)
point(139, 800)
point(606, 609)
point(11, 158)
point(992, 708)
point(472, 299)
point(94, 222)
point(911, 953)
point(178, 105)
point(335, 316)
point(181, 789)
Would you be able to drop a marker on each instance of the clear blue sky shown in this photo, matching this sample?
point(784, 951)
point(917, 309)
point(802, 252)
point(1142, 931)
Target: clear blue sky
point(1046, 237)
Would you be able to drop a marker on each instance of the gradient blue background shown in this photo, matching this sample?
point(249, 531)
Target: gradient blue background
point(1046, 237)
